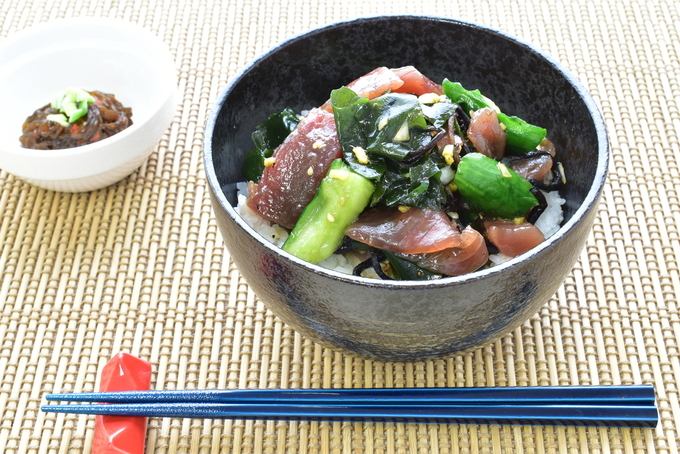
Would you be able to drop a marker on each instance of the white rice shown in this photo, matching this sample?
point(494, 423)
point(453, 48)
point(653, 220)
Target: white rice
point(278, 235)
point(548, 223)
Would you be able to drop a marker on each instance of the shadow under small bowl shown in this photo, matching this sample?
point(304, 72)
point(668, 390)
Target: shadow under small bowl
point(407, 320)
point(92, 53)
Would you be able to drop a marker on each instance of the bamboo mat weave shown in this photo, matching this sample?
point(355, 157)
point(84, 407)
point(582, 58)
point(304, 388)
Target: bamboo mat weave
point(140, 266)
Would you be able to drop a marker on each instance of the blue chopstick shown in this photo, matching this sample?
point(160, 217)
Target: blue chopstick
point(631, 406)
point(588, 415)
point(581, 395)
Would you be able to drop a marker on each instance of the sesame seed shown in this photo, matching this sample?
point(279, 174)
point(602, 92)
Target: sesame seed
point(564, 176)
point(429, 98)
point(361, 155)
point(505, 172)
point(330, 217)
point(403, 135)
point(447, 153)
point(338, 174)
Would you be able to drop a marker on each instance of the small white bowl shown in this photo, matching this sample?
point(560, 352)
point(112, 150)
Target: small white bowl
point(91, 53)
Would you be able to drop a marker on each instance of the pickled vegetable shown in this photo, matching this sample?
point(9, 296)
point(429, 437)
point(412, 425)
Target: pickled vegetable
point(75, 118)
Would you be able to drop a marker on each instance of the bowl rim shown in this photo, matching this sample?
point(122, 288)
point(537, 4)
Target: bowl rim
point(589, 202)
point(166, 60)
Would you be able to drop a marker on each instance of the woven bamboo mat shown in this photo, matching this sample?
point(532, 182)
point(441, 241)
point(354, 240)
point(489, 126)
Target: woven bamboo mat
point(140, 266)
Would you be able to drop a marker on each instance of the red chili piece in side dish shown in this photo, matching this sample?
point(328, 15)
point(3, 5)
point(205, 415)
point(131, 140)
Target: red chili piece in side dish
point(122, 434)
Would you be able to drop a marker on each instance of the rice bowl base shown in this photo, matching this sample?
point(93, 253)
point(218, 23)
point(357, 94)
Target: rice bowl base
point(406, 320)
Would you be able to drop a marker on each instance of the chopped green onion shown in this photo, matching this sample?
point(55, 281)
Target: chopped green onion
point(77, 114)
point(58, 118)
point(72, 103)
point(58, 98)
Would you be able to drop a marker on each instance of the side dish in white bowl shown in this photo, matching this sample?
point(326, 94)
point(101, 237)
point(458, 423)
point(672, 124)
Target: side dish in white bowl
point(88, 55)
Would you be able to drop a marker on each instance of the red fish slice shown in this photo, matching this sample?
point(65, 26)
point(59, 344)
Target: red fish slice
point(511, 238)
point(471, 255)
point(415, 231)
point(300, 163)
point(372, 85)
point(415, 82)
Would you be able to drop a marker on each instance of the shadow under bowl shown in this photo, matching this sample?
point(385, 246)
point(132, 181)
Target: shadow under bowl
point(407, 320)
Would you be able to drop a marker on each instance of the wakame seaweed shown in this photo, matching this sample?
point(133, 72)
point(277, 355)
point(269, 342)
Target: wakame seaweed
point(266, 137)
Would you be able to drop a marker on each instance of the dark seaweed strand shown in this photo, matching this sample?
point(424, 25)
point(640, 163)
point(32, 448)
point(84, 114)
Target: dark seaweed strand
point(373, 261)
point(360, 268)
point(463, 122)
point(455, 203)
point(529, 155)
point(462, 119)
point(491, 247)
point(536, 211)
point(558, 177)
point(466, 149)
point(414, 155)
point(556, 182)
point(345, 247)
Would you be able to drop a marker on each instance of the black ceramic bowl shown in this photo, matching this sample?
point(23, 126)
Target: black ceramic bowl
point(407, 320)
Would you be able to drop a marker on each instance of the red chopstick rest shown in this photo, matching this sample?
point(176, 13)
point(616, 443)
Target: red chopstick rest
point(122, 434)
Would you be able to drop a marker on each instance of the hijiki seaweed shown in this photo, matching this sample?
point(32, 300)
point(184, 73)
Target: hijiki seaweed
point(73, 119)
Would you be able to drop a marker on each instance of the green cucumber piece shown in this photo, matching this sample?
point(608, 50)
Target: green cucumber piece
point(337, 203)
point(493, 189)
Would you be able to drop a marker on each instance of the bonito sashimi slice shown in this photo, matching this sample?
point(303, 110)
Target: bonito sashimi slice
point(414, 231)
point(299, 164)
point(371, 85)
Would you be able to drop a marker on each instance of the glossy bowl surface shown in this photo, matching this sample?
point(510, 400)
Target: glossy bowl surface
point(93, 53)
point(398, 320)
